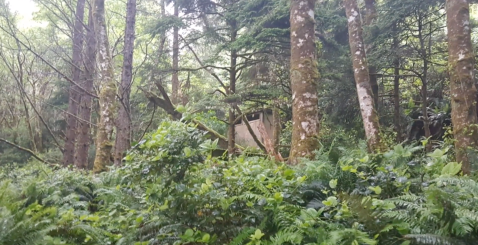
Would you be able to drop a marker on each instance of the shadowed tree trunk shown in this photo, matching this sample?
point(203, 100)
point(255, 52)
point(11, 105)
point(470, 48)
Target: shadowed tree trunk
point(74, 92)
point(424, 79)
point(104, 143)
point(370, 16)
point(123, 122)
point(396, 99)
point(362, 79)
point(84, 128)
point(304, 77)
point(462, 86)
point(396, 86)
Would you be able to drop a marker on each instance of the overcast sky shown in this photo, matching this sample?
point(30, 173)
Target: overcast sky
point(25, 8)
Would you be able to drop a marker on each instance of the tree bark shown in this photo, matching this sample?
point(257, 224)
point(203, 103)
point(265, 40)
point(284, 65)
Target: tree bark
point(370, 17)
point(424, 79)
point(462, 86)
point(123, 122)
point(175, 77)
point(84, 128)
point(304, 78)
point(362, 79)
point(276, 122)
point(396, 86)
point(231, 135)
point(396, 99)
point(104, 143)
point(74, 93)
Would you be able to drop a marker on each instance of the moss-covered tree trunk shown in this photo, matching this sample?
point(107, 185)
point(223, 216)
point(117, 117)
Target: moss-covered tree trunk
point(362, 78)
point(84, 114)
point(74, 91)
point(462, 86)
point(304, 78)
point(104, 142)
point(123, 122)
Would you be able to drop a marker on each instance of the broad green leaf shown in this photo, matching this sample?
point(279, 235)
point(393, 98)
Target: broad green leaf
point(333, 183)
point(452, 168)
point(375, 189)
point(331, 202)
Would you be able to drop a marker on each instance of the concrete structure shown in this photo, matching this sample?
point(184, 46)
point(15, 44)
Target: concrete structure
point(244, 138)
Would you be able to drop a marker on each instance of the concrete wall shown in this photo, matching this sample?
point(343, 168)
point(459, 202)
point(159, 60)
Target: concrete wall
point(244, 138)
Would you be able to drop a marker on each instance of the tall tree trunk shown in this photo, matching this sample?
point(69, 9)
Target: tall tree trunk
point(462, 86)
point(424, 79)
point(396, 99)
point(362, 79)
point(84, 128)
point(370, 17)
point(74, 92)
point(107, 95)
point(231, 134)
point(123, 122)
point(304, 78)
point(175, 78)
point(396, 86)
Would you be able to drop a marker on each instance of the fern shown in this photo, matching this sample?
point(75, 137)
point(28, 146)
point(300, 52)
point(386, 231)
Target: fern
point(430, 239)
point(283, 237)
point(243, 236)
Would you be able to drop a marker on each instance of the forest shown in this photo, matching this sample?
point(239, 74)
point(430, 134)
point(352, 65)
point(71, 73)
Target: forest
point(256, 122)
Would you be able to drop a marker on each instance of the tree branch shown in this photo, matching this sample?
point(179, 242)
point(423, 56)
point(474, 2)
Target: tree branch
point(25, 150)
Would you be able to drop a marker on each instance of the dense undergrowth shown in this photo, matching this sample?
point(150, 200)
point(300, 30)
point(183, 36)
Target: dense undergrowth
point(171, 191)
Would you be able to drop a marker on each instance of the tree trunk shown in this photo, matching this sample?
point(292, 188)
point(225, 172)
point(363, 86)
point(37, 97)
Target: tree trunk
point(107, 95)
point(84, 128)
point(396, 99)
point(231, 135)
point(462, 86)
point(175, 78)
point(304, 78)
point(362, 79)
point(123, 122)
point(276, 122)
point(74, 93)
point(396, 86)
point(424, 79)
point(370, 17)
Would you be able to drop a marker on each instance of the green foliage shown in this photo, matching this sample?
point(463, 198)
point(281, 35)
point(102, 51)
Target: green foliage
point(171, 191)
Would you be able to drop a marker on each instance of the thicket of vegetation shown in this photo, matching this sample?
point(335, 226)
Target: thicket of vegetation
point(125, 122)
point(171, 191)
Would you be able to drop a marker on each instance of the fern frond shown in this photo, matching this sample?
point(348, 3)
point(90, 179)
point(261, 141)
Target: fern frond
point(430, 239)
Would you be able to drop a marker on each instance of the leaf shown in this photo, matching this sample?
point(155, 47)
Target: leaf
point(452, 168)
point(331, 201)
point(189, 233)
point(278, 196)
point(164, 206)
point(365, 159)
point(181, 109)
point(333, 183)
point(187, 151)
point(375, 189)
point(257, 235)
point(206, 238)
